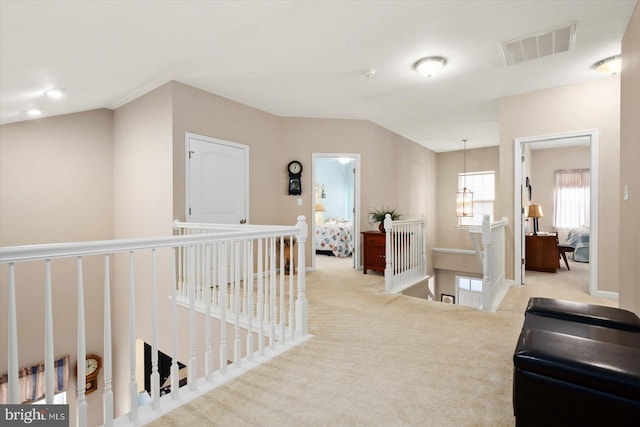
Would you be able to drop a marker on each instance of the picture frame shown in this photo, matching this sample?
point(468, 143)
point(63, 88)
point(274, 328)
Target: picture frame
point(448, 299)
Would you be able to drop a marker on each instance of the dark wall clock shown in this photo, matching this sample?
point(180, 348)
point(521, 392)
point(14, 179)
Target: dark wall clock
point(295, 172)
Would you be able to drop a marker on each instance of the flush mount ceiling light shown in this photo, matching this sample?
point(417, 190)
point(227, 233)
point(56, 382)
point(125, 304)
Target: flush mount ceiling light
point(55, 93)
point(34, 112)
point(430, 66)
point(611, 65)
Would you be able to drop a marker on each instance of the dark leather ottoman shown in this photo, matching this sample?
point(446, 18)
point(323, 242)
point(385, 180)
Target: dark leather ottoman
point(577, 365)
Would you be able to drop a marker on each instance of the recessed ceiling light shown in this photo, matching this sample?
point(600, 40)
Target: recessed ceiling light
point(34, 112)
point(430, 66)
point(611, 65)
point(55, 93)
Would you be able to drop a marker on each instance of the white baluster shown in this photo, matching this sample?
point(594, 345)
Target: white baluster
point(107, 396)
point(175, 370)
point(208, 357)
point(260, 309)
point(237, 344)
point(292, 272)
point(12, 338)
point(192, 368)
point(247, 277)
point(302, 323)
point(133, 384)
point(249, 310)
point(282, 271)
point(48, 335)
point(272, 294)
point(155, 375)
point(223, 306)
point(82, 365)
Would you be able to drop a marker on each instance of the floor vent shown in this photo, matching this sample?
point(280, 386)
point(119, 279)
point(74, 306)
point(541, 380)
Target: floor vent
point(540, 44)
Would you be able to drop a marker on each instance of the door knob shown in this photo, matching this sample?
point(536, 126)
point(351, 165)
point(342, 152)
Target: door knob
point(243, 221)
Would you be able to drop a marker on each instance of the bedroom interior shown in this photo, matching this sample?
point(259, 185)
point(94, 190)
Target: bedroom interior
point(334, 198)
point(557, 178)
point(131, 157)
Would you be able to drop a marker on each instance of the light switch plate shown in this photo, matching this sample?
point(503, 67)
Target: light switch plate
point(299, 201)
point(625, 193)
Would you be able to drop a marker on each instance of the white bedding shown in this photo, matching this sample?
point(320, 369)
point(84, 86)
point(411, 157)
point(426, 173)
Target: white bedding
point(578, 238)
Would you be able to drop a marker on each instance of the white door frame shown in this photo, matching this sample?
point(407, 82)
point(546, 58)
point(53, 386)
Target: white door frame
point(356, 214)
point(187, 137)
point(517, 213)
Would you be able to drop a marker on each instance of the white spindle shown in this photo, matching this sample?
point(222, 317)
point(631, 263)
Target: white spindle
point(133, 384)
point(301, 303)
point(223, 305)
point(292, 271)
point(107, 395)
point(155, 375)
point(48, 335)
point(237, 344)
point(82, 355)
point(249, 293)
point(208, 357)
point(282, 271)
point(272, 294)
point(260, 300)
point(192, 368)
point(12, 338)
point(175, 369)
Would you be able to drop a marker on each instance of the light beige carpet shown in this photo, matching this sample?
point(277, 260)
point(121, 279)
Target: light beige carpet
point(385, 360)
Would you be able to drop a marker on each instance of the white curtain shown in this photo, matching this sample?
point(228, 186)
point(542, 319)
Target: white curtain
point(571, 198)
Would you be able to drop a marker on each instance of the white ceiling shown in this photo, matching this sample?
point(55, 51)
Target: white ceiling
point(301, 58)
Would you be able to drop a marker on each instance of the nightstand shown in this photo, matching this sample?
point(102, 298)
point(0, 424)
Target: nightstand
point(373, 251)
point(541, 252)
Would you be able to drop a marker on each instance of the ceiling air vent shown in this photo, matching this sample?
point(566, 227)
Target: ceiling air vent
point(540, 44)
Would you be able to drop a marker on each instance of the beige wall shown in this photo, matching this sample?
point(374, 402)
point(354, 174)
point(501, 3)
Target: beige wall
point(629, 167)
point(450, 164)
point(543, 164)
point(593, 105)
point(56, 185)
point(142, 207)
point(388, 161)
point(203, 113)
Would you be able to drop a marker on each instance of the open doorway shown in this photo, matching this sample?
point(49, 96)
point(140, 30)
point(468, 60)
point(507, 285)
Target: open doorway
point(522, 170)
point(336, 207)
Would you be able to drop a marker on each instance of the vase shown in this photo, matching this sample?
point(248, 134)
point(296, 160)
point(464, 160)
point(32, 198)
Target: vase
point(381, 227)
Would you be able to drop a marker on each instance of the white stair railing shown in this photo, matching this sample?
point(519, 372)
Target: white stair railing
point(225, 292)
point(405, 255)
point(204, 254)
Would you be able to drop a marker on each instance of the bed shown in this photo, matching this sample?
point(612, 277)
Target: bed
point(578, 238)
point(335, 236)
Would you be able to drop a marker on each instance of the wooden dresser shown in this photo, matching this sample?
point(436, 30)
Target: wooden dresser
point(541, 252)
point(373, 251)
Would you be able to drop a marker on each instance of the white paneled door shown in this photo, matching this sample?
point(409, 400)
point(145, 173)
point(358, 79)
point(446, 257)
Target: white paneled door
point(217, 180)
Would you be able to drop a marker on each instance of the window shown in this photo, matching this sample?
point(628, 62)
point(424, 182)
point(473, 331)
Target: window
point(483, 186)
point(571, 198)
point(469, 291)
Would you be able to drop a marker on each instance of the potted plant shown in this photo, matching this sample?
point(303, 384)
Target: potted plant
point(379, 215)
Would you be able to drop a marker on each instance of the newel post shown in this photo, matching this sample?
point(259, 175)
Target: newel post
point(302, 324)
point(488, 260)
